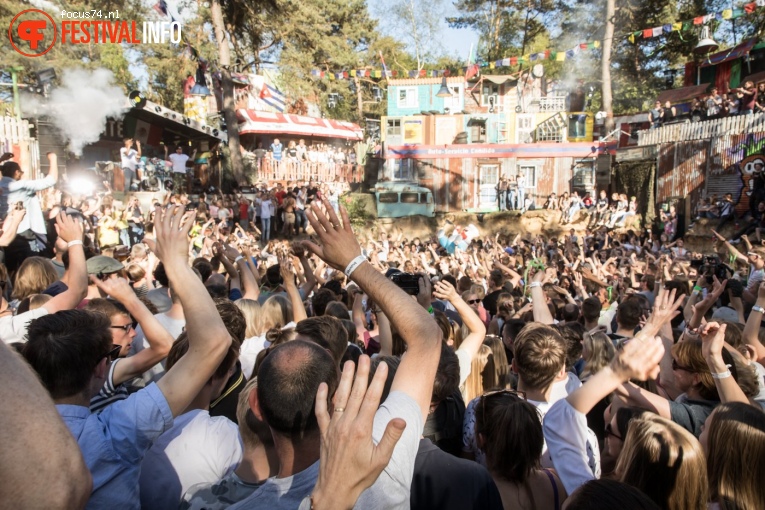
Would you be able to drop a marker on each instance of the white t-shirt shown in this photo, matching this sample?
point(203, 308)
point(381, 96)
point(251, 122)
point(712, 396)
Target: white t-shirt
point(155, 373)
point(248, 354)
point(179, 162)
point(13, 328)
point(197, 449)
point(128, 158)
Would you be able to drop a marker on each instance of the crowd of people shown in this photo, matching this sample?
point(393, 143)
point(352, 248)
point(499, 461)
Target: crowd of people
point(203, 366)
point(745, 100)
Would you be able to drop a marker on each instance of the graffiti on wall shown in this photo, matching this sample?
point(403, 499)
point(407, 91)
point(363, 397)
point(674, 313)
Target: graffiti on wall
point(732, 165)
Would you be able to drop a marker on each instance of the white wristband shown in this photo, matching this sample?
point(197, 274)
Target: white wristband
point(534, 284)
point(721, 375)
point(355, 263)
point(238, 259)
point(74, 243)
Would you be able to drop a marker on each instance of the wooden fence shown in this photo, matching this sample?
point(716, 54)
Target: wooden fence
point(272, 171)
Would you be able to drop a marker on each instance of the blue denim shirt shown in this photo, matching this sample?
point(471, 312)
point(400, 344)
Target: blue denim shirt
point(114, 441)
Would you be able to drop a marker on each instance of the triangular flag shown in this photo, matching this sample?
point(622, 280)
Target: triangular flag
point(631, 38)
point(748, 8)
point(699, 20)
point(677, 26)
point(265, 93)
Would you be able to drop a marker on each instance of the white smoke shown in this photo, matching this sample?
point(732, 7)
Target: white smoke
point(80, 105)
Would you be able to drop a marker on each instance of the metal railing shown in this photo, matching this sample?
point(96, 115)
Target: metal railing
point(702, 130)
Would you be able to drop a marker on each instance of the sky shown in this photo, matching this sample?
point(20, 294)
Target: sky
point(456, 42)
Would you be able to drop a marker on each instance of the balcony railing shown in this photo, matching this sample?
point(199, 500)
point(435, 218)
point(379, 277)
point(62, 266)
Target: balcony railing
point(702, 130)
point(303, 171)
point(550, 104)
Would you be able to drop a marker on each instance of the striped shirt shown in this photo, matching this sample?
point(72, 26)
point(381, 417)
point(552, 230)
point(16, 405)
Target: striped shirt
point(109, 393)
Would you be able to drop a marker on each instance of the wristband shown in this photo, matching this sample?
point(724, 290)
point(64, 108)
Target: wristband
point(721, 375)
point(696, 288)
point(756, 308)
point(430, 310)
point(238, 259)
point(354, 264)
point(534, 284)
point(74, 243)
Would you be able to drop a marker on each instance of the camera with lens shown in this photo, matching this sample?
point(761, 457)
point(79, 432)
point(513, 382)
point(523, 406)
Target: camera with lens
point(409, 283)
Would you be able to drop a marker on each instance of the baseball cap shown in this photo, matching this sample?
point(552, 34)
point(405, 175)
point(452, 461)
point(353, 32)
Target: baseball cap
point(725, 314)
point(104, 265)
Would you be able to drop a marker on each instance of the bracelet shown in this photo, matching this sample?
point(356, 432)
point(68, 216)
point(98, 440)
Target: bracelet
point(756, 308)
point(430, 310)
point(696, 288)
point(240, 257)
point(74, 243)
point(533, 285)
point(721, 375)
point(354, 264)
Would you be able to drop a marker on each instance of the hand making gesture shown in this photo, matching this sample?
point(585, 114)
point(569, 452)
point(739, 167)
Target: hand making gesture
point(337, 245)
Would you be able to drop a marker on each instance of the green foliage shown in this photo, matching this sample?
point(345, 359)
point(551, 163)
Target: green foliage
point(357, 212)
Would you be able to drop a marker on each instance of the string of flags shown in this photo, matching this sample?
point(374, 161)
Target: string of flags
point(680, 26)
point(558, 56)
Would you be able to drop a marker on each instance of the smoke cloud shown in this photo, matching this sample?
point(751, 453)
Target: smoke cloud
point(80, 105)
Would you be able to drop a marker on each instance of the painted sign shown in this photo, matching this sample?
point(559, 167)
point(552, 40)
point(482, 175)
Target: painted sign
point(485, 150)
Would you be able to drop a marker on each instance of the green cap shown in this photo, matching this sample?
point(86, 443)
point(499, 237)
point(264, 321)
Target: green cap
point(104, 265)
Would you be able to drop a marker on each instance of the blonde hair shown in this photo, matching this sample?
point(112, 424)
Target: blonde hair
point(736, 456)
point(34, 276)
point(253, 315)
point(277, 312)
point(666, 462)
point(600, 351)
point(482, 362)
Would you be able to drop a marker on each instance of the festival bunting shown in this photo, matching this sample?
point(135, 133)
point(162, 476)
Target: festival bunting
point(473, 67)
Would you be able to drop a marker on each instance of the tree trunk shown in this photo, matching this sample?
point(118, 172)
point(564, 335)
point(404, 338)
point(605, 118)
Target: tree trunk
point(608, 40)
point(359, 100)
point(229, 111)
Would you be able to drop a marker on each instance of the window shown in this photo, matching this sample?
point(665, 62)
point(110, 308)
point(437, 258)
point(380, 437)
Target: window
point(530, 172)
point(524, 128)
point(584, 175)
point(478, 132)
point(388, 198)
point(424, 198)
point(404, 170)
point(488, 89)
point(394, 127)
point(407, 97)
point(409, 198)
point(454, 103)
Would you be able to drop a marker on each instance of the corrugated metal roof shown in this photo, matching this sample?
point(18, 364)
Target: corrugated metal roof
point(682, 94)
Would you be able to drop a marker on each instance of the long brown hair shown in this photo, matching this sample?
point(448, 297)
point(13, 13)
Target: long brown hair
point(736, 457)
point(34, 276)
point(483, 362)
point(666, 462)
point(512, 437)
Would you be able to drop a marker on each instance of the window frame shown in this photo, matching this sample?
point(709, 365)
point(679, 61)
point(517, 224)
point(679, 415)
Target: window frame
point(405, 103)
point(485, 97)
point(525, 169)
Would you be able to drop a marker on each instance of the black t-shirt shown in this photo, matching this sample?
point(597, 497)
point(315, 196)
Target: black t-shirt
point(444, 482)
point(226, 403)
point(444, 425)
point(260, 153)
point(490, 302)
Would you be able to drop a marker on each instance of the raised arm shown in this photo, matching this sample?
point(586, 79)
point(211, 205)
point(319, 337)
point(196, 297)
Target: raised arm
point(473, 341)
point(207, 335)
point(338, 246)
point(70, 231)
point(731, 249)
point(159, 339)
point(752, 328)
point(288, 277)
point(713, 338)
point(539, 299)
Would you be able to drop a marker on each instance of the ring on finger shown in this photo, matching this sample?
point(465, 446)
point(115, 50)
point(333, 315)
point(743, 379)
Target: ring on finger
point(339, 409)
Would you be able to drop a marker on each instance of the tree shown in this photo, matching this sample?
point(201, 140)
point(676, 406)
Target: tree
point(417, 22)
point(605, 73)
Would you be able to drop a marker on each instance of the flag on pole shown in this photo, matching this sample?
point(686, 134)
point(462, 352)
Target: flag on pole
point(273, 97)
point(161, 7)
point(385, 69)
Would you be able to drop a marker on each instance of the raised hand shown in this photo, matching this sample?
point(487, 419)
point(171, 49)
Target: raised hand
point(639, 359)
point(117, 288)
point(350, 462)
point(337, 244)
point(712, 340)
point(665, 308)
point(444, 290)
point(68, 228)
point(171, 232)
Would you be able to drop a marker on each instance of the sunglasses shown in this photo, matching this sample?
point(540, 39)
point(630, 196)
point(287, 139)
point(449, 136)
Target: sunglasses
point(474, 301)
point(610, 432)
point(677, 366)
point(113, 354)
point(125, 328)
